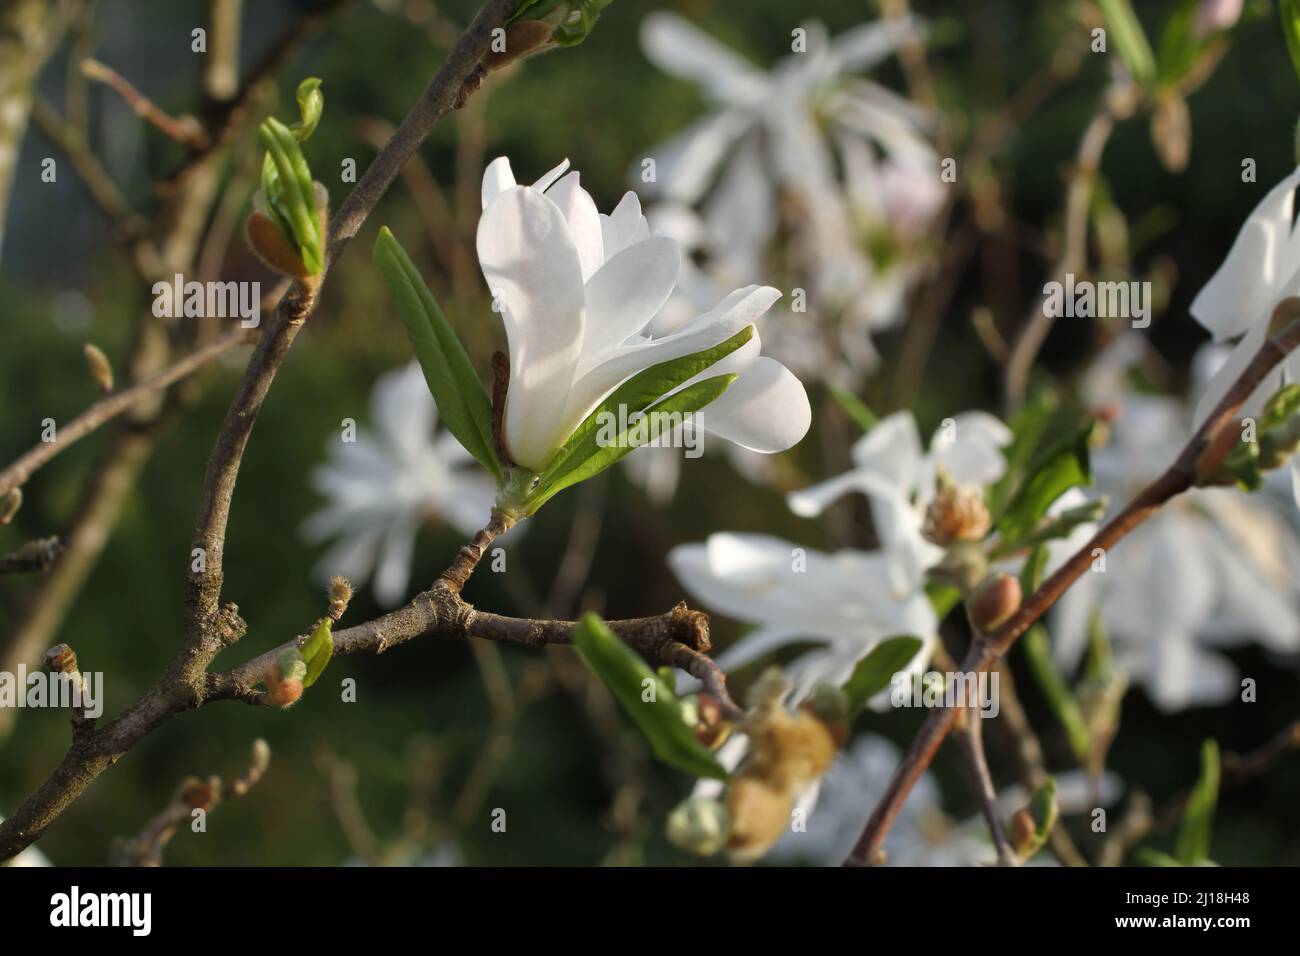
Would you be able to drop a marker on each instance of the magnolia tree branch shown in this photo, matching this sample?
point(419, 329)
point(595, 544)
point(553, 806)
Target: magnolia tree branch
point(1200, 457)
point(444, 92)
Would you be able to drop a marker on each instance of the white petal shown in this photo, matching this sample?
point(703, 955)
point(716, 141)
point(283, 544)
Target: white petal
point(1230, 370)
point(393, 572)
point(548, 180)
point(580, 213)
point(677, 47)
point(531, 264)
point(736, 311)
point(625, 293)
point(861, 48)
point(497, 178)
point(624, 226)
point(765, 410)
point(686, 163)
point(1245, 288)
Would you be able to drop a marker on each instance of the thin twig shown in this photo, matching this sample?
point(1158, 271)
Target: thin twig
point(1202, 455)
point(108, 408)
point(184, 129)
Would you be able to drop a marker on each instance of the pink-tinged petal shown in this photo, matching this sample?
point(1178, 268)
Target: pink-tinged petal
point(497, 178)
point(765, 410)
point(533, 270)
point(625, 293)
point(1245, 288)
point(580, 212)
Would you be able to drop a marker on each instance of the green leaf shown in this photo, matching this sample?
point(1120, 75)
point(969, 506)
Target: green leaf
point(1028, 426)
point(875, 671)
point(1062, 465)
point(943, 598)
point(1064, 706)
point(1289, 11)
point(1130, 40)
point(589, 450)
point(311, 104)
point(1145, 856)
point(462, 400)
point(628, 677)
point(634, 395)
point(583, 15)
point(1281, 406)
point(318, 650)
point(288, 191)
point(1179, 45)
point(856, 409)
point(1193, 846)
point(1065, 523)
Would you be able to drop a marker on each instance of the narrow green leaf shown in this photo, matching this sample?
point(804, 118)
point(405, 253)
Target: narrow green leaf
point(943, 598)
point(1193, 846)
point(1062, 465)
point(1064, 706)
point(311, 104)
point(318, 650)
point(1130, 40)
point(1028, 426)
point(287, 188)
point(632, 682)
point(1179, 45)
point(1289, 11)
point(462, 400)
point(855, 408)
point(875, 671)
point(1145, 856)
point(603, 454)
point(634, 395)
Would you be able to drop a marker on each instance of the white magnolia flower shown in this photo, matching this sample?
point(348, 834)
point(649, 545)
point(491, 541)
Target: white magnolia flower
point(899, 477)
point(778, 138)
point(1262, 268)
point(577, 289)
point(842, 602)
point(785, 112)
point(1212, 568)
point(383, 487)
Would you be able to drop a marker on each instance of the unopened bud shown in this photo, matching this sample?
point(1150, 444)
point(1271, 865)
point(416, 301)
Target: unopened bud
point(963, 567)
point(198, 794)
point(1171, 131)
point(956, 514)
point(699, 825)
point(522, 39)
point(1024, 831)
point(61, 659)
point(994, 602)
point(100, 369)
point(711, 728)
point(10, 504)
point(759, 815)
point(340, 595)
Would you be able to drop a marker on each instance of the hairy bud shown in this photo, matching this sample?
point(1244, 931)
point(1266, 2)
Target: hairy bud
point(10, 504)
point(61, 659)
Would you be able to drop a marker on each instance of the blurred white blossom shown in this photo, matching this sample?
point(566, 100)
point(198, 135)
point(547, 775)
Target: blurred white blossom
point(899, 477)
point(382, 488)
point(1213, 568)
point(843, 604)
